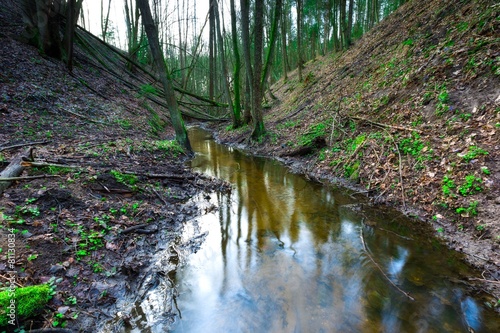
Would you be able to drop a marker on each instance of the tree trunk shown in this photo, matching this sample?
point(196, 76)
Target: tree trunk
point(211, 47)
point(272, 41)
point(237, 65)
point(236, 117)
point(258, 122)
point(299, 38)
point(154, 43)
point(283, 45)
point(245, 35)
point(105, 21)
point(72, 12)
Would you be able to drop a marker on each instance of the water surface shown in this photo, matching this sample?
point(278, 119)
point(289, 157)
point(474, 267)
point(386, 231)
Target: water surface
point(284, 254)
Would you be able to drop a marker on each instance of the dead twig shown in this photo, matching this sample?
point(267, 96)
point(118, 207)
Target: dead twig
point(44, 164)
point(160, 197)
point(380, 269)
point(27, 178)
point(484, 280)
point(24, 144)
point(402, 128)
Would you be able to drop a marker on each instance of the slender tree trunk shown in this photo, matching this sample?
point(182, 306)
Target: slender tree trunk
point(237, 65)
point(245, 35)
point(236, 117)
point(283, 45)
point(349, 23)
point(154, 43)
point(272, 41)
point(299, 37)
point(211, 47)
point(258, 121)
point(105, 21)
point(71, 12)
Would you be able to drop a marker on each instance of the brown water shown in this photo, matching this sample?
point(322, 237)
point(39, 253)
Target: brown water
point(283, 254)
point(286, 255)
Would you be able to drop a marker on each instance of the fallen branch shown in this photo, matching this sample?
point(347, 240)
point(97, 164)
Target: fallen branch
point(156, 175)
point(160, 197)
point(83, 117)
point(24, 144)
point(350, 157)
point(8, 179)
point(380, 269)
point(139, 229)
point(30, 164)
point(402, 128)
point(484, 280)
point(14, 169)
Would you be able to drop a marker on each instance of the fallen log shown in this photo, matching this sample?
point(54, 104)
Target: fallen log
point(14, 169)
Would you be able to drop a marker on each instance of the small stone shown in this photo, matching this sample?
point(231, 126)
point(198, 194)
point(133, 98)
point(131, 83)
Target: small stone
point(63, 309)
point(72, 272)
point(56, 269)
point(497, 200)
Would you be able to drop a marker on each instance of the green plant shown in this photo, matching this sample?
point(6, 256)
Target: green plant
point(412, 145)
point(32, 257)
point(473, 153)
point(126, 179)
point(71, 300)
point(485, 170)
point(470, 186)
point(447, 186)
point(314, 132)
point(468, 211)
point(147, 89)
point(124, 123)
point(29, 301)
point(171, 147)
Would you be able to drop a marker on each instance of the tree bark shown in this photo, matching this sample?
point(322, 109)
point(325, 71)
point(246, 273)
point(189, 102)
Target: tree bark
point(14, 169)
point(237, 65)
point(299, 38)
point(272, 41)
point(245, 35)
point(175, 115)
point(258, 121)
point(236, 117)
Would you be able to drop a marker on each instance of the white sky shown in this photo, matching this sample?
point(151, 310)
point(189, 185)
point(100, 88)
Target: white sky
point(92, 13)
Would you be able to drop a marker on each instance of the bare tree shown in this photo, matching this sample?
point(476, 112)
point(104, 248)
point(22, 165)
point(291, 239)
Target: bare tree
point(154, 44)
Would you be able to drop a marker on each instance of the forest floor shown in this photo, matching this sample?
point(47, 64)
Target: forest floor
point(409, 116)
point(112, 190)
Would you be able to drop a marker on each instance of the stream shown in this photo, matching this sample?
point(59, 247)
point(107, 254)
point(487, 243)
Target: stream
point(284, 254)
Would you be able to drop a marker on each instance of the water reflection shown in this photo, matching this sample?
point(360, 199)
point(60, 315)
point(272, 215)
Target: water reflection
point(285, 255)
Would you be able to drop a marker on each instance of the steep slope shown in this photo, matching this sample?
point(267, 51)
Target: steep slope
point(411, 115)
point(107, 186)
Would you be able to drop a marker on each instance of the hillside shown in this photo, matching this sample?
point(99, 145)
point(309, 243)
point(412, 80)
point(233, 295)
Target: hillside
point(410, 116)
point(107, 183)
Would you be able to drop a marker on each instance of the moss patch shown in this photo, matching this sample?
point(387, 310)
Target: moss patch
point(28, 302)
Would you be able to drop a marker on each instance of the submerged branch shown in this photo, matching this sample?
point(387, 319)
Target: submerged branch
point(380, 268)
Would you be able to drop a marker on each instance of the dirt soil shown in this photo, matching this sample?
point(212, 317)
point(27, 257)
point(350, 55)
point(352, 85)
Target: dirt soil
point(410, 117)
point(110, 189)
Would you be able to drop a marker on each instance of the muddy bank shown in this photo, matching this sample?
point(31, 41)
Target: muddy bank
point(112, 187)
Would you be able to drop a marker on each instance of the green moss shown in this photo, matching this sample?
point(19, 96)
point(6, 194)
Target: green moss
point(28, 302)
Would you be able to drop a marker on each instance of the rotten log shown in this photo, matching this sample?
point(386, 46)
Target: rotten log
point(15, 168)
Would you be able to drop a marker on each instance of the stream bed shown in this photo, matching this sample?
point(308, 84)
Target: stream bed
point(284, 254)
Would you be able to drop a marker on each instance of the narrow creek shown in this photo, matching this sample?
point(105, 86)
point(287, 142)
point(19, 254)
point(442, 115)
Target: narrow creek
point(283, 254)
